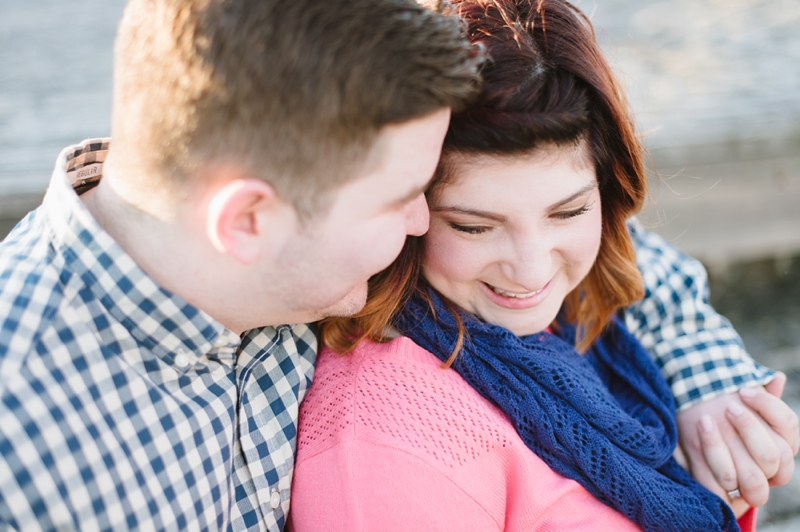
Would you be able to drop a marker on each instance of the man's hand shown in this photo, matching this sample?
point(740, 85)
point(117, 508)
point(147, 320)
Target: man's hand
point(744, 440)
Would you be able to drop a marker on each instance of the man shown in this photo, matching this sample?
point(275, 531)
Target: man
point(268, 158)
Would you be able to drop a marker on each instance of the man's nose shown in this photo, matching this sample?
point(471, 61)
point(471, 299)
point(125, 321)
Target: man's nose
point(417, 216)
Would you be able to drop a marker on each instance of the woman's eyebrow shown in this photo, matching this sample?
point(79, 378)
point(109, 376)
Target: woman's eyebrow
point(471, 212)
point(499, 218)
point(582, 192)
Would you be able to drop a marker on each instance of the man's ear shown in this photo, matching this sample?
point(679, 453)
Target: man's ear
point(246, 219)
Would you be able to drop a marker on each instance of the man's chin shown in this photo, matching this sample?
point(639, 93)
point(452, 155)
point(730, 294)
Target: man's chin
point(349, 305)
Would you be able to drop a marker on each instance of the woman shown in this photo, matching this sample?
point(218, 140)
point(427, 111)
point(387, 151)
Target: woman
point(554, 418)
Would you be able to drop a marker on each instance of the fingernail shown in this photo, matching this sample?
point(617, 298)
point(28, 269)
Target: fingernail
point(735, 409)
point(748, 392)
point(706, 425)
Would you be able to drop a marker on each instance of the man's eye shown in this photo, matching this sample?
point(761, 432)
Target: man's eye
point(470, 229)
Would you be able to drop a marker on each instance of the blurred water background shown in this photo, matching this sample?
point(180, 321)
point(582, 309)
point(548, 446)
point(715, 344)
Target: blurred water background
point(715, 86)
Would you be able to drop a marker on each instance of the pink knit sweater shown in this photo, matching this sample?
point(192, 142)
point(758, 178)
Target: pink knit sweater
point(390, 441)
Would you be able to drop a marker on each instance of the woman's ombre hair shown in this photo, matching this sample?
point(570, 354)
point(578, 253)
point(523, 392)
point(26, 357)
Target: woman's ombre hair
point(545, 83)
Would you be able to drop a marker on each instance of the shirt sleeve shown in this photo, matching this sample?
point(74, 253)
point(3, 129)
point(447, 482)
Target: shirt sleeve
point(699, 352)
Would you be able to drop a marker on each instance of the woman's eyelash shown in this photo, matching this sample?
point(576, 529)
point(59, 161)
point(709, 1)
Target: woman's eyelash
point(572, 214)
point(470, 229)
point(478, 229)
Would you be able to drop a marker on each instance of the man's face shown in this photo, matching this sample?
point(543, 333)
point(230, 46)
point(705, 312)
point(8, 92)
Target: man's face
point(323, 271)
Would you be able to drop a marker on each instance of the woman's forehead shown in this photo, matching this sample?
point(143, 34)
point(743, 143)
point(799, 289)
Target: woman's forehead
point(475, 167)
point(578, 153)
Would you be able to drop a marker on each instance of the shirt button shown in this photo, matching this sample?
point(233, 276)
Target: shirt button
point(181, 360)
point(275, 500)
point(221, 341)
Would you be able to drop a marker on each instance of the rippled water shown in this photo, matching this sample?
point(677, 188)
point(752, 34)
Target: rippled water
point(709, 70)
point(55, 82)
point(725, 70)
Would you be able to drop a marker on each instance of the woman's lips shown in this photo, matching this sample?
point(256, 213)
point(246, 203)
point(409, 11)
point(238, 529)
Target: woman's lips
point(516, 300)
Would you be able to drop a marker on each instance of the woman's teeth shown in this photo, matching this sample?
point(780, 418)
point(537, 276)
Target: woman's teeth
point(511, 294)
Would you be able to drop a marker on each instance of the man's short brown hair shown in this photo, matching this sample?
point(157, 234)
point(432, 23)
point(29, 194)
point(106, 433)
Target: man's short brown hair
point(294, 90)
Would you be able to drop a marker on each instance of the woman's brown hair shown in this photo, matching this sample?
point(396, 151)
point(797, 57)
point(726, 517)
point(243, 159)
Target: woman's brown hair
point(545, 82)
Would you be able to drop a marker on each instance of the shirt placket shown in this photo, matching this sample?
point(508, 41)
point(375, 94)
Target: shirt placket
point(269, 470)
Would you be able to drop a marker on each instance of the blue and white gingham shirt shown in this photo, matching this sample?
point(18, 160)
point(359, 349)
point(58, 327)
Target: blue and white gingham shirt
point(698, 350)
point(121, 405)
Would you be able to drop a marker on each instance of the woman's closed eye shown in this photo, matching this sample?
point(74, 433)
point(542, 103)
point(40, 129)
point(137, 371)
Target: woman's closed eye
point(566, 215)
point(469, 229)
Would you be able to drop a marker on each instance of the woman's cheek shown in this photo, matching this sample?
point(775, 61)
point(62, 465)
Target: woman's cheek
point(588, 235)
point(448, 255)
point(436, 248)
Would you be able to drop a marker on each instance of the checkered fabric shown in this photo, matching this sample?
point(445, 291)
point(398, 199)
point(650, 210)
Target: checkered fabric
point(699, 352)
point(123, 407)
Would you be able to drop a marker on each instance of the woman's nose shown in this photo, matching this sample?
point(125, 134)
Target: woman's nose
point(530, 262)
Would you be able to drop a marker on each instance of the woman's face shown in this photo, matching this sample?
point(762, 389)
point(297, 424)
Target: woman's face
point(510, 237)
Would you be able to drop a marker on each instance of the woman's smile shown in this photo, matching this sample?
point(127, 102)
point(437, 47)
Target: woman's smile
point(516, 300)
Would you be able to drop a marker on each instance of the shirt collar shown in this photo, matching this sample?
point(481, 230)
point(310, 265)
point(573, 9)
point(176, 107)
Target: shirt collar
point(165, 323)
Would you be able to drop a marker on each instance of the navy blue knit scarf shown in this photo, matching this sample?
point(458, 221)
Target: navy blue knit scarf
point(605, 419)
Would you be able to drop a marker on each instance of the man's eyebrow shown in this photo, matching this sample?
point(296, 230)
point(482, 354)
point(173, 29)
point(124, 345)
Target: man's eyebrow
point(582, 192)
point(471, 212)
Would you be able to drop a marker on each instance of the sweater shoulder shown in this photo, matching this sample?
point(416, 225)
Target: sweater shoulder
point(398, 395)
